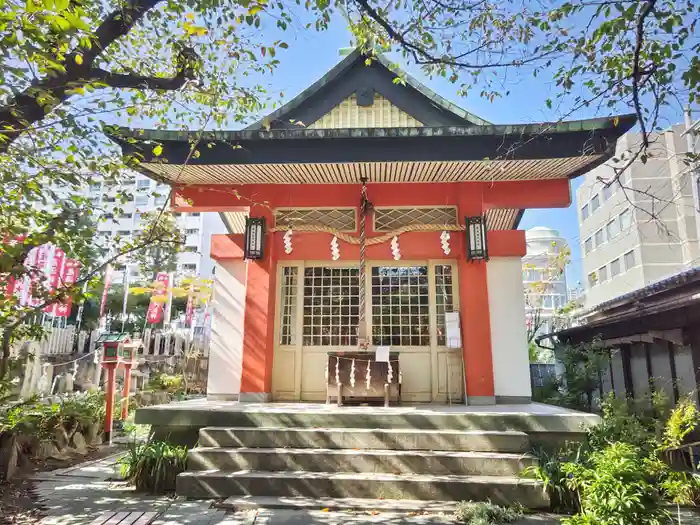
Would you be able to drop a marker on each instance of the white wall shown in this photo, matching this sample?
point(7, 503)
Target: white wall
point(511, 364)
point(226, 349)
point(212, 224)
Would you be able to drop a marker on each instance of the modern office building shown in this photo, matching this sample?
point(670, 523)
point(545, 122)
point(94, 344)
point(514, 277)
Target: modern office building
point(642, 228)
point(149, 195)
point(545, 290)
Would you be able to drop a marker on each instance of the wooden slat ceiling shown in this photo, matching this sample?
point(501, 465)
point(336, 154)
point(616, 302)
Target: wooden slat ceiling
point(501, 218)
point(374, 171)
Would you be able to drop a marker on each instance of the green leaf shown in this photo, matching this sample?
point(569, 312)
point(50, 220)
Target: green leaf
point(158, 150)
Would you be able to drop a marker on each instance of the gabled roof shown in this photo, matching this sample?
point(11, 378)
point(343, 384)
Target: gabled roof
point(333, 87)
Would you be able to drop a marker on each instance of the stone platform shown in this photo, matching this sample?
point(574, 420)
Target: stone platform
point(297, 451)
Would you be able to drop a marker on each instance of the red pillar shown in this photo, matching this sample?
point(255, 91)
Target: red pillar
point(474, 307)
point(126, 392)
point(109, 401)
point(476, 331)
point(258, 324)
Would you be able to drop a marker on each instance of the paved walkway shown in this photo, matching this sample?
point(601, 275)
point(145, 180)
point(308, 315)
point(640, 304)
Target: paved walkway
point(78, 495)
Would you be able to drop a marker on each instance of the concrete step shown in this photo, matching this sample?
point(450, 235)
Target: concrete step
point(365, 438)
point(533, 418)
point(498, 489)
point(368, 461)
point(236, 503)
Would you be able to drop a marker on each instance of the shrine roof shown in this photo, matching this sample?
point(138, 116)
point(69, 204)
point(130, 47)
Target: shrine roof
point(396, 154)
point(358, 71)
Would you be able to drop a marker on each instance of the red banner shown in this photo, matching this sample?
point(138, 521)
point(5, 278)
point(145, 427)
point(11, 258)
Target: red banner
point(71, 270)
point(108, 282)
point(156, 308)
point(41, 261)
point(57, 260)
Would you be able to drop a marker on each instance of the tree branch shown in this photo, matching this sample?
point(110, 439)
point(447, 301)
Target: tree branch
point(24, 109)
point(637, 73)
point(134, 81)
point(421, 56)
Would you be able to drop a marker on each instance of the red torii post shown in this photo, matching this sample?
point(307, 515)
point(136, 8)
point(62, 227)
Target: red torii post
point(118, 351)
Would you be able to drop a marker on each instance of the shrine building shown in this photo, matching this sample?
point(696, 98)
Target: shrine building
point(373, 213)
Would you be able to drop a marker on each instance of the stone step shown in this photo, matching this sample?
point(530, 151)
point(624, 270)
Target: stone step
point(236, 503)
point(498, 489)
point(365, 438)
point(368, 461)
point(534, 418)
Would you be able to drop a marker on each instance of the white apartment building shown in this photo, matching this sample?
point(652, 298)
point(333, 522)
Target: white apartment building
point(633, 237)
point(543, 292)
point(149, 195)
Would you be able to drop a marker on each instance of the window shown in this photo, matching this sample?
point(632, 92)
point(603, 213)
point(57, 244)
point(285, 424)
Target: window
point(615, 267)
point(607, 192)
point(584, 212)
point(592, 280)
point(288, 306)
point(625, 220)
point(629, 260)
point(195, 214)
point(588, 246)
point(192, 231)
point(191, 249)
point(595, 203)
point(189, 267)
point(613, 228)
point(599, 238)
point(602, 274)
point(400, 310)
point(161, 199)
point(126, 216)
point(109, 216)
point(547, 301)
point(331, 306)
point(109, 198)
point(143, 184)
point(141, 200)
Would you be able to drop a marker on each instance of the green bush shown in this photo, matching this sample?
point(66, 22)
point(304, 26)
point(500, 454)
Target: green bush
point(153, 466)
point(615, 487)
point(624, 458)
point(173, 383)
point(486, 513)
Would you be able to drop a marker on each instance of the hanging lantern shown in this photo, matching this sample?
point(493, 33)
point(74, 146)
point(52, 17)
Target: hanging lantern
point(445, 242)
point(254, 239)
point(476, 238)
point(288, 241)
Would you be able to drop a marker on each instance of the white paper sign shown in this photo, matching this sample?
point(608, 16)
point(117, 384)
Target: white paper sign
point(453, 334)
point(382, 354)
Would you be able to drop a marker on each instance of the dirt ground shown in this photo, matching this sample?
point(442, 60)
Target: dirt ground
point(18, 504)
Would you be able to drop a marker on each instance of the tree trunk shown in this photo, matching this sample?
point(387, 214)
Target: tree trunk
point(5, 361)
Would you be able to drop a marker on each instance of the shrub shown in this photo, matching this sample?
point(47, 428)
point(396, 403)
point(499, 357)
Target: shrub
point(153, 466)
point(548, 471)
point(486, 513)
point(173, 383)
point(615, 487)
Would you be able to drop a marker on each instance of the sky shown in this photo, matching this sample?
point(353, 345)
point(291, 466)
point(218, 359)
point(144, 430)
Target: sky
point(311, 54)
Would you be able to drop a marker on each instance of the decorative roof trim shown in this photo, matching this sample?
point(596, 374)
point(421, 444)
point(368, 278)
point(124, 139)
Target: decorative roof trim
point(623, 123)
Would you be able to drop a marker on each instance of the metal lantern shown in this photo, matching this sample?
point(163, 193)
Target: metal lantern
point(254, 240)
point(476, 238)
